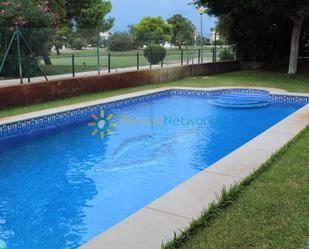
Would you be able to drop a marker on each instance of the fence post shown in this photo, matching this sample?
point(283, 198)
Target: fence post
point(187, 55)
point(109, 62)
point(150, 63)
point(199, 56)
point(182, 57)
point(137, 60)
point(19, 55)
point(215, 46)
point(98, 49)
point(73, 65)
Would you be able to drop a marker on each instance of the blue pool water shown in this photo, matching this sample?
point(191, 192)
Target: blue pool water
point(61, 187)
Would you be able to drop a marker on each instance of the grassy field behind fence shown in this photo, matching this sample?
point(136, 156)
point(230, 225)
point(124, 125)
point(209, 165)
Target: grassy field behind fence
point(86, 60)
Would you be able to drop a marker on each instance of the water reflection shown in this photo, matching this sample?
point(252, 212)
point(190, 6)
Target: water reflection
point(42, 200)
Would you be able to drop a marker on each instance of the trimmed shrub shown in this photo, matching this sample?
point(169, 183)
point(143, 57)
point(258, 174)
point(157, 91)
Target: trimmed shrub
point(155, 53)
point(120, 41)
point(226, 55)
point(78, 43)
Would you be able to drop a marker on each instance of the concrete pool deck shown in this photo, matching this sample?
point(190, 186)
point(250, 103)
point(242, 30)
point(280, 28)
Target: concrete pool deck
point(174, 211)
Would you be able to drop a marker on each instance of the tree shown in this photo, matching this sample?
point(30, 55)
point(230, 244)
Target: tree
point(31, 14)
point(298, 16)
point(34, 14)
point(151, 30)
point(154, 54)
point(275, 24)
point(54, 13)
point(89, 13)
point(304, 44)
point(183, 31)
point(78, 43)
point(120, 41)
point(202, 41)
point(61, 38)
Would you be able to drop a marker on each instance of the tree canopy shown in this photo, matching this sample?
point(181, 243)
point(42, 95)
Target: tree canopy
point(120, 41)
point(151, 30)
point(89, 13)
point(266, 7)
point(182, 30)
point(262, 29)
point(54, 13)
point(26, 13)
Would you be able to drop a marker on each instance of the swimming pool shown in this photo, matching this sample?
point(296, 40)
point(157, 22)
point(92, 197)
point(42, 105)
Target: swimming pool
point(62, 183)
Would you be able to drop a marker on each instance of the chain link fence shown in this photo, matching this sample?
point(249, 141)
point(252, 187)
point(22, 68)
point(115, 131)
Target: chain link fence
point(32, 53)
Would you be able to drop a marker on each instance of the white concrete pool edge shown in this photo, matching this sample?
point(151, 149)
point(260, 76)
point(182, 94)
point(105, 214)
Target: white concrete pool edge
point(174, 211)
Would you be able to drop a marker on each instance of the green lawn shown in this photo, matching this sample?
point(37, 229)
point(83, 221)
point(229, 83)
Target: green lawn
point(269, 210)
point(299, 83)
point(86, 60)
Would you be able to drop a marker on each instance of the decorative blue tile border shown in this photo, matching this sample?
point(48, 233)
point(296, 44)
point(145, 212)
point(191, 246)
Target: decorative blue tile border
point(289, 99)
point(82, 114)
point(73, 116)
point(180, 92)
point(275, 98)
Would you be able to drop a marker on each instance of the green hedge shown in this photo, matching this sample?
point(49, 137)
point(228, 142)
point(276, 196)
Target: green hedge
point(155, 53)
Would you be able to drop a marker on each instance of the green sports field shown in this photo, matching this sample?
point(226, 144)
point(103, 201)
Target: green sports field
point(87, 59)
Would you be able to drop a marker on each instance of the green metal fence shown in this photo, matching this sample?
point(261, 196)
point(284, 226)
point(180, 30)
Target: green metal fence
point(26, 53)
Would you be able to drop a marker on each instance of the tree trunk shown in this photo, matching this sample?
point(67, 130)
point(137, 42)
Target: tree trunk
point(298, 19)
point(47, 60)
point(58, 50)
point(295, 46)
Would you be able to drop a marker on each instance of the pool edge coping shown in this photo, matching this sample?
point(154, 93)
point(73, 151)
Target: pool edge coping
point(157, 221)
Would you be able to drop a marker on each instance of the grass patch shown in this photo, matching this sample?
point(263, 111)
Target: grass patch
point(86, 60)
point(272, 213)
point(298, 83)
